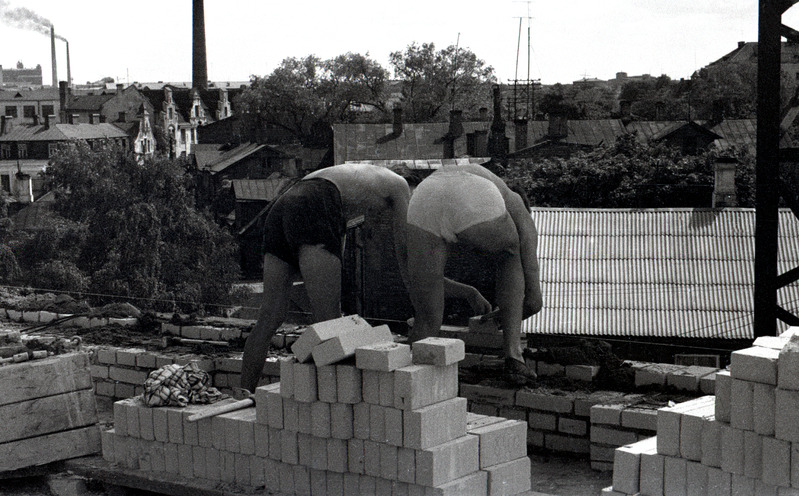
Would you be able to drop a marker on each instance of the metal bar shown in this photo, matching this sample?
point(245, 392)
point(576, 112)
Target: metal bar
point(787, 278)
point(766, 199)
point(787, 317)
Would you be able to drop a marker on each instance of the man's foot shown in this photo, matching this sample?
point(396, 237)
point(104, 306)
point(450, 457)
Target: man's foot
point(518, 373)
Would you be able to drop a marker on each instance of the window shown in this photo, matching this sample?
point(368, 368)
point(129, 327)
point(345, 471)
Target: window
point(22, 150)
point(52, 149)
point(28, 111)
point(183, 135)
point(169, 111)
point(11, 111)
point(5, 183)
point(196, 111)
point(48, 110)
point(5, 151)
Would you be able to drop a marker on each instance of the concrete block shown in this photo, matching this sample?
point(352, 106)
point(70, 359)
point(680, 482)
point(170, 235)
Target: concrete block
point(272, 473)
point(742, 485)
point(753, 455)
point(763, 489)
point(627, 465)
point(394, 430)
point(334, 484)
point(438, 351)
point(570, 444)
point(304, 423)
point(501, 442)
point(763, 413)
point(545, 402)
point(171, 458)
point(732, 450)
point(343, 346)
point(707, 383)
point(337, 455)
point(185, 461)
point(607, 414)
point(418, 386)
point(711, 443)
point(205, 432)
point(512, 477)
point(755, 364)
point(160, 425)
point(719, 482)
point(355, 456)
point(377, 423)
point(639, 418)
point(371, 386)
point(367, 484)
point(406, 465)
point(776, 462)
point(326, 384)
point(290, 414)
point(361, 421)
point(198, 459)
point(320, 419)
point(652, 476)
point(256, 471)
point(341, 420)
point(786, 419)
point(318, 453)
point(386, 388)
point(585, 373)
point(321, 332)
point(304, 454)
point(475, 483)
point(275, 452)
point(132, 406)
point(612, 437)
point(384, 357)
point(287, 377)
point(351, 483)
point(691, 425)
point(795, 464)
point(488, 394)
point(120, 418)
point(696, 479)
point(574, 427)
point(262, 403)
point(742, 405)
point(788, 365)
point(286, 477)
point(261, 441)
point(447, 462)
point(675, 474)
point(542, 421)
point(348, 384)
point(371, 458)
point(388, 462)
point(434, 424)
point(723, 395)
point(245, 421)
point(668, 424)
point(653, 374)
point(289, 450)
point(305, 382)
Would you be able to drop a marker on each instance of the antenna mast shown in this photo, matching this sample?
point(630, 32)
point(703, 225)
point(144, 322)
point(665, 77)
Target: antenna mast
point(521, 103)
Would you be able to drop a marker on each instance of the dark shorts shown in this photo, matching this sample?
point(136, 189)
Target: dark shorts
point(309, 213)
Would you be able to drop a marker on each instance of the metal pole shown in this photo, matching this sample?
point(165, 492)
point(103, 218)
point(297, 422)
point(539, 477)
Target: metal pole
point(766, 197)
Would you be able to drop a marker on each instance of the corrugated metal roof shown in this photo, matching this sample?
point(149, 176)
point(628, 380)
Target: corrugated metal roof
point(258, 189)
point(653, 273)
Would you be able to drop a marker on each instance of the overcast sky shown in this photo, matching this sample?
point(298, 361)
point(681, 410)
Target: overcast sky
point(150, 40)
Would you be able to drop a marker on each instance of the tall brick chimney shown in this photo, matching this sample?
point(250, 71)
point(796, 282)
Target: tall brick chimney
point(199, 73)
point(52, 55)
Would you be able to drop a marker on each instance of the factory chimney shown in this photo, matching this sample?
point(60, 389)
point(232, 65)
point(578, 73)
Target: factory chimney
point(52, 54)
point(199, 74)
point(69, 72)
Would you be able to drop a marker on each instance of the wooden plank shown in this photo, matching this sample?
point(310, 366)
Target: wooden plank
point(46, 377)
point(94, 467)
point(49, 448)
point(49, 414)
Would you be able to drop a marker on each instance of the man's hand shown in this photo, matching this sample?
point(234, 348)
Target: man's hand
point(479, 304)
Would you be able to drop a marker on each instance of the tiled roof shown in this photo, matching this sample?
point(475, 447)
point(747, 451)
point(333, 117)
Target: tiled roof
point(89, 102)
point(580, 132)
point(417, 141)
point(24, 94)
point(33, 217)
point(430, 164)
point(259, 189)
point(654, 273)
point(62, 132)
point(740, 133)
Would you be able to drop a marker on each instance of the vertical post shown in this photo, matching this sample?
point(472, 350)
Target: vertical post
point(767, 166)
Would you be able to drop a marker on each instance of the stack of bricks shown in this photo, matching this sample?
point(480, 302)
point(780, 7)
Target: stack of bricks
point(744, 440)
point(353, 413)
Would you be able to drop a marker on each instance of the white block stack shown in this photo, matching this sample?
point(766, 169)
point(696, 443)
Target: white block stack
point(744, 440)
point(388, 421)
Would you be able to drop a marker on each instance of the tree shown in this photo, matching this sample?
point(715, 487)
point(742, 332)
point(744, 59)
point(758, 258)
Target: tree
point(434, 81)
point(129, 227)
point(304, 96)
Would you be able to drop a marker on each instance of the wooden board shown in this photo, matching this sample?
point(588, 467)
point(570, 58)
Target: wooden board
point(45, 377)
point(41, 416)
point(49, 448)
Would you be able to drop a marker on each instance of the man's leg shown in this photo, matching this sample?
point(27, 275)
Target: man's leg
point(427, 256)
point(321, 273)
point(274, 307)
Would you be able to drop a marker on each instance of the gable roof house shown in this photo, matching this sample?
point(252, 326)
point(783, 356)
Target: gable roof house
point(26, 149)
point(25, 104)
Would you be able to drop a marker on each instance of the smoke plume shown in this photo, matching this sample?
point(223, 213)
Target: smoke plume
point(24, 18)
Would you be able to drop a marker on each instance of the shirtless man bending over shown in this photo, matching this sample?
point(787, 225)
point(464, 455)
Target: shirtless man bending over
point(469, 205)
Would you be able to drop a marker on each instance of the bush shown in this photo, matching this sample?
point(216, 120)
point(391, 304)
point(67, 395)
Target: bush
point(61, 275)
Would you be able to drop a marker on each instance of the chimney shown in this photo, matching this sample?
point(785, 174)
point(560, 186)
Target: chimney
point(24, 189)
point(397, 122)
point(558, 126)
point(74, 118)
point(35, 119)
point(48, 121)
point(69, 71)
point(497, 141)
point(741, 44)
point(52, 55)
point(455, 123)
point(119, 87)
point(64, 95)
point(121, 117)
point(520, 131)
point(94, 119)
point(724, 185)
point(199, 74)
point(476, 143)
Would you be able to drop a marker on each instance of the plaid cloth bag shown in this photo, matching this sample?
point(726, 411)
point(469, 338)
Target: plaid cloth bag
point(179, 385)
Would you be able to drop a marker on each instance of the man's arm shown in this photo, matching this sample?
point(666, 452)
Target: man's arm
point(454, 289)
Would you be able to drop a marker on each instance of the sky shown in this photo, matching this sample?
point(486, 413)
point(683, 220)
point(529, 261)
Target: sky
point(148, 40)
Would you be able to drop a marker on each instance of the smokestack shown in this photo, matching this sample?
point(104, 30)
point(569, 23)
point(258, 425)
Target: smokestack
point(52, 54)
point(199, 74)
point(69, 72)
